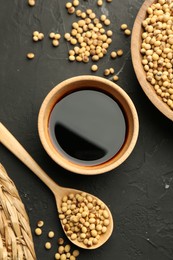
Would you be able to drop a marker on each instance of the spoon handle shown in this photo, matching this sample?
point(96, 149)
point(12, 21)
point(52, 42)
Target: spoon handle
point(11, 143)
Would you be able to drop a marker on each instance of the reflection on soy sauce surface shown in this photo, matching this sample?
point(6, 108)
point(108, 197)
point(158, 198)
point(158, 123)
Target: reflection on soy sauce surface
point(88, 127)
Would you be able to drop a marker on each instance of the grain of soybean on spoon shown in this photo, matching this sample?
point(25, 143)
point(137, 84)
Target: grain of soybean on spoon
point(11, 143)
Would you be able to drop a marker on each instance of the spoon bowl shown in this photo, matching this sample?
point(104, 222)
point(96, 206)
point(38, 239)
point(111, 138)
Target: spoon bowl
point(10, 142)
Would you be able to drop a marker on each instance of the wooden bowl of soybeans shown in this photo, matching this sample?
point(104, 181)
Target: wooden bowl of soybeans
point(152, 53)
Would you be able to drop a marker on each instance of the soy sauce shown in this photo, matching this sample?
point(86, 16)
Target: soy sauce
point(88, 127)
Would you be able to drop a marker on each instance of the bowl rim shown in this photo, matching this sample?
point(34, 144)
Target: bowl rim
point(43, 130)
point(136, 61)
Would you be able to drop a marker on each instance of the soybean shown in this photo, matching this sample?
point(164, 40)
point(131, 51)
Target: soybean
point(48, 245)
point(30, 55)
point(31, 2)
point(38, 231)
point(94, 67)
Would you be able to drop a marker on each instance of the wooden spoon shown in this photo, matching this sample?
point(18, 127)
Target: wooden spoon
point(10, 142)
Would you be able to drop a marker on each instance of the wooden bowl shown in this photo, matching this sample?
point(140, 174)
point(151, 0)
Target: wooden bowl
point(96, 83)
point(137, 64)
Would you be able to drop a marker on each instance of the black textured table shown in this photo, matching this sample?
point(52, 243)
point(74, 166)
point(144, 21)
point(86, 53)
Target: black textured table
point(140, 191)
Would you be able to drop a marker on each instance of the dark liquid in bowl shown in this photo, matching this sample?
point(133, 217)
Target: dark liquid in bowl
point(88, 127)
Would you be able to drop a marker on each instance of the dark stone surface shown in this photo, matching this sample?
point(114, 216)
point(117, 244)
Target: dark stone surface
point(140, 191)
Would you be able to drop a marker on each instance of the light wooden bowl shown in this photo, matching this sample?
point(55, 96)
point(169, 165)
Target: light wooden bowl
point(138, 67)
point(96, 83)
